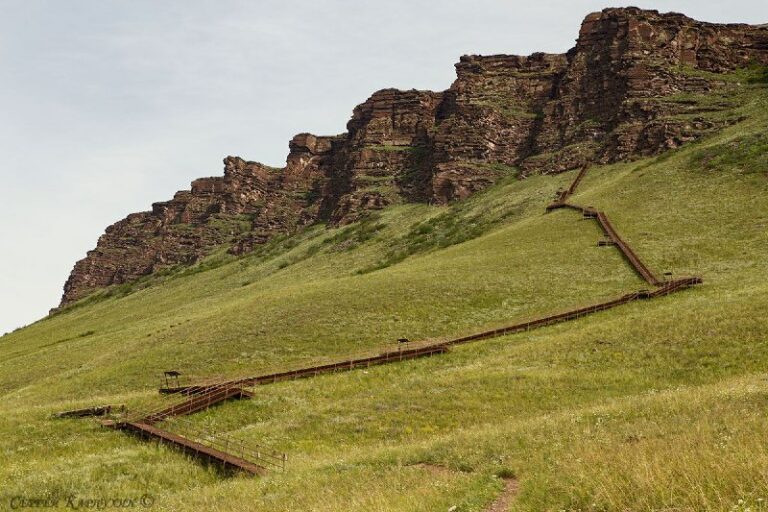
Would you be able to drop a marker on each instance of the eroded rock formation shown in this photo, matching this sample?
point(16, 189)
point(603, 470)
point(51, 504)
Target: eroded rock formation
point(627, 89)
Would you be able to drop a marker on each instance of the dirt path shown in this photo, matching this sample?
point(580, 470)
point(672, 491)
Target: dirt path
point(502, 502)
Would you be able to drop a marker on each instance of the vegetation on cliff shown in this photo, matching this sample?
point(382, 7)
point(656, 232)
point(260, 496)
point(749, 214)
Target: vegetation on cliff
point(655, 405)
point(636, 84)
point(649, 406)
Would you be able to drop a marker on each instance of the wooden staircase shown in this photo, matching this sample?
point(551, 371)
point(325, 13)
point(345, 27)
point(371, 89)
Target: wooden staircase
point(219, 449)
point(563, 196)
point(313, 371)
point(666, 288)
point(614, 239)
point(633, 259)
point(197, 403)
point(193, 448)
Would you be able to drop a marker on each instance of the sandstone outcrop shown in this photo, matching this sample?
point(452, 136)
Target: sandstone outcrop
point(630, 87)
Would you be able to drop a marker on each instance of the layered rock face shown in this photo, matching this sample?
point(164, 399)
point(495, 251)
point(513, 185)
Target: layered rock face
point(611, 102)
point(488, 118)
point(382, 157)
point(623, 91)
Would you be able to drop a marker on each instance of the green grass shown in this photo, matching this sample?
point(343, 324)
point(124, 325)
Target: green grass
point(743, 153)
point(510, 111)
point(658, 405)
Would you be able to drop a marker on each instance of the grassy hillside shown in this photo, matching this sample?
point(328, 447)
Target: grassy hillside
point(656, 405)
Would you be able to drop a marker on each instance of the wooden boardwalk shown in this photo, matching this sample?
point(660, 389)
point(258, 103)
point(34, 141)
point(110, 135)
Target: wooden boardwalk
point(204, 395)
point(662, 288)
point(613, 236)
point(193, 448)
point(313, 371)
point(197, 403)
point(440, 347)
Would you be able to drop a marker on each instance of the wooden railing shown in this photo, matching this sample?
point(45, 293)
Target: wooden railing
point(209, 392)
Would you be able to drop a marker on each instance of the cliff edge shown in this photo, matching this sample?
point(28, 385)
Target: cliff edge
point(629, 88)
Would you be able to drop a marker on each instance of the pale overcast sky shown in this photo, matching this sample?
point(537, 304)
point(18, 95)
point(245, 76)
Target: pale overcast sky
point(108, 106)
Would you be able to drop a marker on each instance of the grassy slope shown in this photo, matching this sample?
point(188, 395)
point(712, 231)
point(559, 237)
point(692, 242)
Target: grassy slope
point(658, 405)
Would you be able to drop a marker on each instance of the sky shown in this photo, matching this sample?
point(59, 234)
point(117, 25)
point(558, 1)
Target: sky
point(108, 106)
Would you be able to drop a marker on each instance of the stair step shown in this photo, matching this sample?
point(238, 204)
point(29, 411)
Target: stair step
point(193, 448)
point(197, 403)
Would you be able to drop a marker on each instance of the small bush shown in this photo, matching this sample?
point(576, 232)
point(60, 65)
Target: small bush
point(758, 74)
point(506, 474)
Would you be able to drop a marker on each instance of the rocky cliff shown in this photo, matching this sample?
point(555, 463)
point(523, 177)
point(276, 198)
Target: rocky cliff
point(630, 87)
